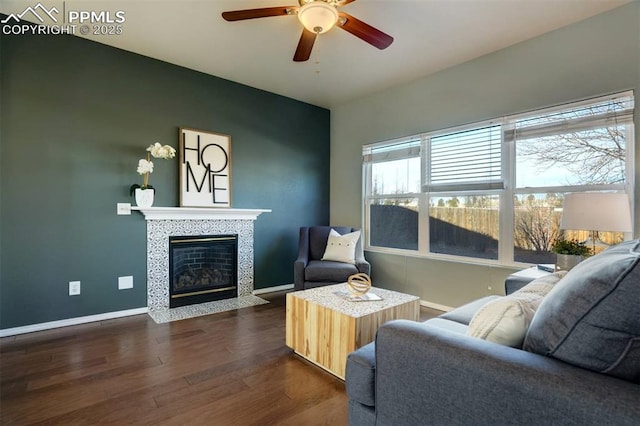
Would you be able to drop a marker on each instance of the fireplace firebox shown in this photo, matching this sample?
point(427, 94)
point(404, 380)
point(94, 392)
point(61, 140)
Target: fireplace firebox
point(202, 269)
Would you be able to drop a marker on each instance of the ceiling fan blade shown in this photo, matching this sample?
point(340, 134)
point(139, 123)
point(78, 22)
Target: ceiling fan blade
point(239, 15)
point(303, 51)
point(345, 2)
point(366, 32)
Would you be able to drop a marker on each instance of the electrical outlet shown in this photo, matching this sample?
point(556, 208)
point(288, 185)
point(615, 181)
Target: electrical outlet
point(74, 288)
point(123, 208)
point(125, 282)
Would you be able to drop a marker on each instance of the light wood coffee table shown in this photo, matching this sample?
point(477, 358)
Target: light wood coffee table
point(324, 327)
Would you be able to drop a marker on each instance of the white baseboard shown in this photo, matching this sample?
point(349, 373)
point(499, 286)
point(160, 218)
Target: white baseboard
point(424, 303)
point(118, 314)
point(272, 289)
point(71, 321)
point(437, 306)
point(106, 316)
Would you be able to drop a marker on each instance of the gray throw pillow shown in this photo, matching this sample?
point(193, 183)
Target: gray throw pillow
point(591, 318)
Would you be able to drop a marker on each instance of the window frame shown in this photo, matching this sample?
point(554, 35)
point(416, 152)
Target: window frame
point(506, 211)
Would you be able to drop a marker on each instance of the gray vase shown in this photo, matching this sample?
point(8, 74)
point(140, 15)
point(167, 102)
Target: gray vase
point(565, 262)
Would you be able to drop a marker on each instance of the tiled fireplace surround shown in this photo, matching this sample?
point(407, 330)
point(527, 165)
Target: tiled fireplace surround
point(163, 222)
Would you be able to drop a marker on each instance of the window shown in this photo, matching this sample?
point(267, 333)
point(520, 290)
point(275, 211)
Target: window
point(494, 190)
point(394, 188)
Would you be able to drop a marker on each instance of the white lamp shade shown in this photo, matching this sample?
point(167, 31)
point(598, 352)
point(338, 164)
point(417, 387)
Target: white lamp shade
point(318, 16)
point(596, 211)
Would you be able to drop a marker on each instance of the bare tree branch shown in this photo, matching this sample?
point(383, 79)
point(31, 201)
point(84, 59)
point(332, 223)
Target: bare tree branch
point(594, 156)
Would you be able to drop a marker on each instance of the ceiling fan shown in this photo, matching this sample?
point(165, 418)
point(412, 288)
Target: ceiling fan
point(317, 17)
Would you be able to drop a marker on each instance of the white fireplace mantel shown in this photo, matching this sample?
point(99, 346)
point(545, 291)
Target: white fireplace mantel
point(165, 222)
point(202, 213)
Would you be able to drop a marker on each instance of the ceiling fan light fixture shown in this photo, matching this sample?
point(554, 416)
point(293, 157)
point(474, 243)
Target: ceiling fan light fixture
point(318, 16)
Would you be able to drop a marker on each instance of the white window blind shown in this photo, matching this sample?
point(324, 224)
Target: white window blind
point(400, 149)
point(465, 161)
point(594, 114)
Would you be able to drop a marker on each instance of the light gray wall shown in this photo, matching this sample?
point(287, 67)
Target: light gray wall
point(590, 58)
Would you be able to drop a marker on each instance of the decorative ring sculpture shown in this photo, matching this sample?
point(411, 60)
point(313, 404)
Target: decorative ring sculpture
point(359, 284)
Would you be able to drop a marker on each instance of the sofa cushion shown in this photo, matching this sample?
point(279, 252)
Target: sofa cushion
point(464, 313)
point(360, 375)
point(505, 320)
point(326, 270)
point(318, 241)
point(592, 317)
point(341, 248)
point(456, 327)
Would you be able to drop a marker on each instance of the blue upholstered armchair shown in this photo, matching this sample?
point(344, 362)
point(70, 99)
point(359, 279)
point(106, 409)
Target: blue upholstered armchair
point(310, 271)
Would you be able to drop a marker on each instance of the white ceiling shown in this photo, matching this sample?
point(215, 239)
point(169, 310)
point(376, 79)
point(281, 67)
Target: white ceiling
point(430, 35)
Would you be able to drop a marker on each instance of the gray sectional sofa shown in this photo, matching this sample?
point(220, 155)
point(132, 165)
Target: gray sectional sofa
point(578, 363)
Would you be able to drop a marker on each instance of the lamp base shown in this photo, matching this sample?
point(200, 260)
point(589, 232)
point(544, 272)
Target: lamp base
point(595, 243)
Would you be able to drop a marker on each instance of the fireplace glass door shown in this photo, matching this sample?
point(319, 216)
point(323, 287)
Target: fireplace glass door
point(202, 269)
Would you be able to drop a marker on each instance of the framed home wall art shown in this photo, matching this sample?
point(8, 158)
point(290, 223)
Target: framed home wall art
point(205, 169)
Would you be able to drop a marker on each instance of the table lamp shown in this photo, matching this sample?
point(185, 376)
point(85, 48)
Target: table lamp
point(596, 211)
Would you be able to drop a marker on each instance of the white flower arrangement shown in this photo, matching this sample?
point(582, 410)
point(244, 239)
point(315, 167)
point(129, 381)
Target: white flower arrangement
point(145, 165)
point(161, 151)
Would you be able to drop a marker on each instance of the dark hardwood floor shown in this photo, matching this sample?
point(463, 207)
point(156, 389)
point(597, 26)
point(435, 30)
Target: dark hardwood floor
point(231, 368)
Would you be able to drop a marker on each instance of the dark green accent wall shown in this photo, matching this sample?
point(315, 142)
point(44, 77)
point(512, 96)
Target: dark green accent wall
point(75, 118)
